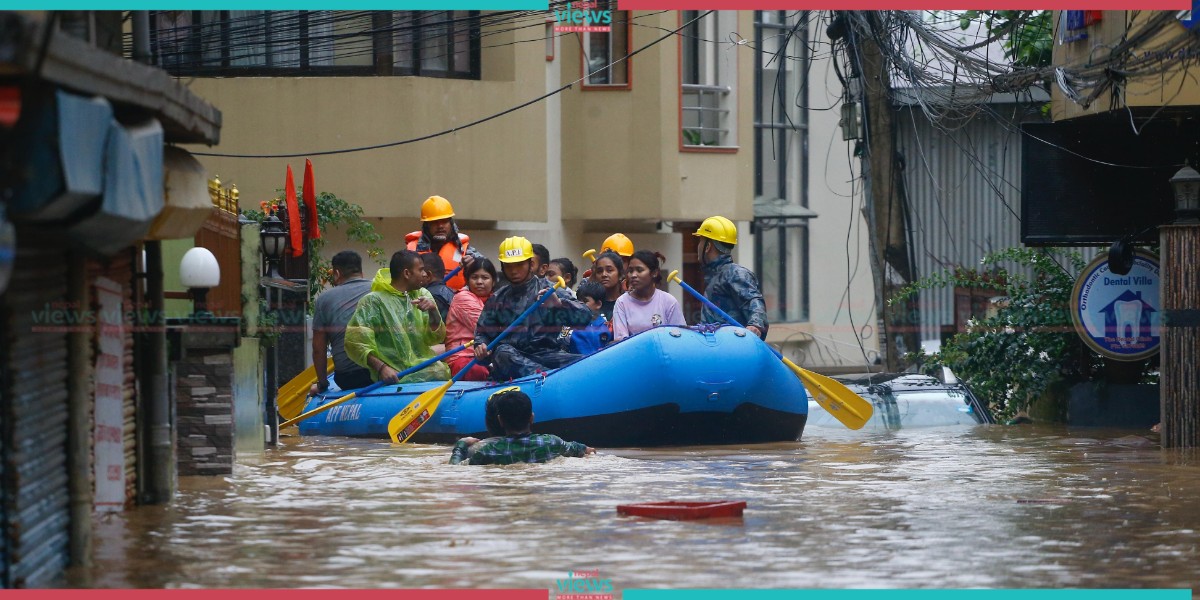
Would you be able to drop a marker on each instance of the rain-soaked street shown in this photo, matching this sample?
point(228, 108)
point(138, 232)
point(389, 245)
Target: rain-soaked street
point(992, 506)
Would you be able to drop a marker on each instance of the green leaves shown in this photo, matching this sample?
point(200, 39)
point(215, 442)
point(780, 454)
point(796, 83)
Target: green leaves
point(1011, 356)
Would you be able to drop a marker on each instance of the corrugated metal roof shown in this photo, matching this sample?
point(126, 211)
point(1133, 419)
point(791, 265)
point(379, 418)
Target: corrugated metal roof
point(964, 190)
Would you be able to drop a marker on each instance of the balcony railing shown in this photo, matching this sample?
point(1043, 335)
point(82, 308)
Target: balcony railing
point(705, 113)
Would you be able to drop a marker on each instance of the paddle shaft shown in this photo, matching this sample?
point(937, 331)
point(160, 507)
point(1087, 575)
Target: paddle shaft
point(716, 309)
point(507, 330)
point(373, 386)
point(451, 274)
point(412, 417)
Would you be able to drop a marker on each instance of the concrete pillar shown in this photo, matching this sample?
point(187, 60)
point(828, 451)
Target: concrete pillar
point(204, 380)
point(1180, 367)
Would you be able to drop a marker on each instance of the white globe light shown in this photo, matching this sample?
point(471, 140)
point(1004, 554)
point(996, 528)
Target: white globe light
point(199, 269)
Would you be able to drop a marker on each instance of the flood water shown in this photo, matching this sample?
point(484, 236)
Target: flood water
point(991, 506)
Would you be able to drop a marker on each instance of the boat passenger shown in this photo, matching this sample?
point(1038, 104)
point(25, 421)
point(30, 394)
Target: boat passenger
point(563, 267)
point(644, 306)
point(598, 334)
point(394, 326)
point(610, 272)
point(439, 235)
point(514, 411)
point(728, 285)
point(617, 242)
point(531, 346)
point(464, 314)
point(541, 260)
point(331, 312)
point(442, 294)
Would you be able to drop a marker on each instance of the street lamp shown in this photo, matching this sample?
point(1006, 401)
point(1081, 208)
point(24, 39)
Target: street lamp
point(274, 239)
point(1186, 185)
point(199, 271)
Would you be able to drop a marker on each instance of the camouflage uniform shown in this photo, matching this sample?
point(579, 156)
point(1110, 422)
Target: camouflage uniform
point(533, 344)
point(735, 290)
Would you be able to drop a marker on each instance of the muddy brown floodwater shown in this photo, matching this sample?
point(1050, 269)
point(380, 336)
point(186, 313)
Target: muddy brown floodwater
point(990, 506)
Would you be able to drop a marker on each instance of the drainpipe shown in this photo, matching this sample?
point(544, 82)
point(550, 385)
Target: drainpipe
point(79, 421)
point(157, 437)
point(160, 472)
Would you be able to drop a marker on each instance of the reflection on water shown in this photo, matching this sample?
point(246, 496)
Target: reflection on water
point(985, 507)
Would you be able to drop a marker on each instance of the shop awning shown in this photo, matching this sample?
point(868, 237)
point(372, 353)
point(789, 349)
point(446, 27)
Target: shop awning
point(186, 203)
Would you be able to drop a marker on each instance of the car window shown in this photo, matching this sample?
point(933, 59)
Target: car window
point(909, 409)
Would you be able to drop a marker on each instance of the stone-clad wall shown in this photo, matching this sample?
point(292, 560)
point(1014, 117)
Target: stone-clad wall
point(204, 401)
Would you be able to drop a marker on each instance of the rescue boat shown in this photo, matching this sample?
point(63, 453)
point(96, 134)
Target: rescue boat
point(666, 386)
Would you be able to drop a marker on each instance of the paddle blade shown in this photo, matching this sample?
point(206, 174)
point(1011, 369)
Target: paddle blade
point(845, 406)
point(291, 397)
point(406, 422)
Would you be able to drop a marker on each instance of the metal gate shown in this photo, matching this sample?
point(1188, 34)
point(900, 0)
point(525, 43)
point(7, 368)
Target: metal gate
point(34, 319)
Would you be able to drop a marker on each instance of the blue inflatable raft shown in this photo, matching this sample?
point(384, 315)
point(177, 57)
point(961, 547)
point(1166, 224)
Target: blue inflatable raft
point(665, 386)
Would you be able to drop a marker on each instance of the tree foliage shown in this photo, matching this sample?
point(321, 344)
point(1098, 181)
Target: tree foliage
point(1026, 35)
point(1010, 357)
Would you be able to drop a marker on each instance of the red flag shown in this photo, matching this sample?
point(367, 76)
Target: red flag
point(295, 233)
point(310, 201)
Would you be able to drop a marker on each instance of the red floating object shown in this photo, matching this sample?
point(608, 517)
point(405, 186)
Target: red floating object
point(683, 511)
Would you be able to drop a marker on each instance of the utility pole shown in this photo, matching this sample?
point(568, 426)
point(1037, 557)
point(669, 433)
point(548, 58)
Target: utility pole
point(886, 204)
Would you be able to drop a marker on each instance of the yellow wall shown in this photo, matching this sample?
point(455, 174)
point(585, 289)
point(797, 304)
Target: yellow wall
point(476, 168)
point(1175, 88)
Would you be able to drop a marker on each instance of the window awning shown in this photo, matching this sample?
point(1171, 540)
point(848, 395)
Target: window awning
point(186, 203)
point(778, 209)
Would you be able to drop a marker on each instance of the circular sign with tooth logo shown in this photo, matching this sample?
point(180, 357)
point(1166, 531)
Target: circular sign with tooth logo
point(1119, 316)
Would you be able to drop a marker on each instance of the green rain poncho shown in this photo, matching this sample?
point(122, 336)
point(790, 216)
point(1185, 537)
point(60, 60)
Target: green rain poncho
point(388, 325)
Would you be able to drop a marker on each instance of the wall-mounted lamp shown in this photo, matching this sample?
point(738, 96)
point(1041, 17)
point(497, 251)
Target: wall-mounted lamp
point(274, 240)
point(199, 271)
point(1186, 184)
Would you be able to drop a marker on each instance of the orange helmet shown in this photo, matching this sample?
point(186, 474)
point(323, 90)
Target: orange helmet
point(436, 208)
point(618, 243)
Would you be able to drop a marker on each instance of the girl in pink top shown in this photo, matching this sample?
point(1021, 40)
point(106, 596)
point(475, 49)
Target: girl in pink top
point(644, 306)
point(464, 313)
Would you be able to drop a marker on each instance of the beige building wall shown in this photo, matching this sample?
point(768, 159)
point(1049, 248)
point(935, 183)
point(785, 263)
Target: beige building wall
point(1174, 88)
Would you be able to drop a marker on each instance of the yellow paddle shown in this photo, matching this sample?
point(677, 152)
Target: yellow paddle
point(290, 399)
point(846, 406)
point(374, 386)
point(406, 422)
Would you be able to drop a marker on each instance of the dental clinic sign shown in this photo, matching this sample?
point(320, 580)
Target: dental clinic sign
point(1119, 316)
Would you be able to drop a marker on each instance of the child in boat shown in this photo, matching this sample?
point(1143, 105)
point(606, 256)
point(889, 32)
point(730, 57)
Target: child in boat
point(644, 306)
point(514, 411)
point(609, 270)
point(596, 335)
point(532, 345)
point(563, 267)
point(464, 314)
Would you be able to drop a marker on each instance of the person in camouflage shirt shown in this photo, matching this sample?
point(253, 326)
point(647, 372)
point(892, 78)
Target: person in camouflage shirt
point(728, 285)
point(517, 445)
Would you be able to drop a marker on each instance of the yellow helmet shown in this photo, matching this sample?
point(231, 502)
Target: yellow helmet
point(618, 243)
point(436, 208)
point(718, 229)
point(515, 249)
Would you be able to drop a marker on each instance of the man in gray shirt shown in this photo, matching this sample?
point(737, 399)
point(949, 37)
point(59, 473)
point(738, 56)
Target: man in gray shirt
point(331, 313)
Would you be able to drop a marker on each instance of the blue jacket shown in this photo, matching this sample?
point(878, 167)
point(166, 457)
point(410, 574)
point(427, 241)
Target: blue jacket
point(735, 290)
point(591, 338)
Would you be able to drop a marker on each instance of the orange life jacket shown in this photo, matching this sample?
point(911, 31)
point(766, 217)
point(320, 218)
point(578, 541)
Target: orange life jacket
point(451, 256)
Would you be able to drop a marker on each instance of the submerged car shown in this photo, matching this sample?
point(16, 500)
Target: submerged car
point(909, 400)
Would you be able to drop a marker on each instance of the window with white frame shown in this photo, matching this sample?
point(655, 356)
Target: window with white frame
point(603, 48)
point(708, 79)
point(780, 162)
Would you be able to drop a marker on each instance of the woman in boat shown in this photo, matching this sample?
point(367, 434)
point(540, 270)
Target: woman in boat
point(464, 314)
point(609, 270)
point(644, 306)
